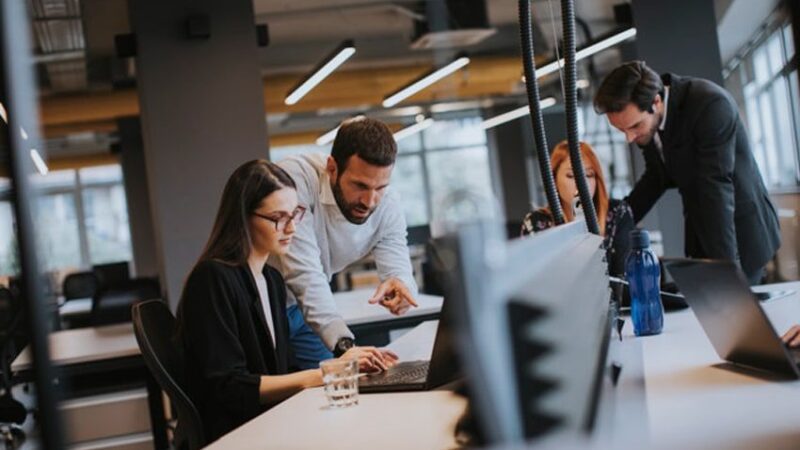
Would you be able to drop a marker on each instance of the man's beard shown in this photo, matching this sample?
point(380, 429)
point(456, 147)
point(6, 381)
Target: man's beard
point(347, 208)
point(653, 131)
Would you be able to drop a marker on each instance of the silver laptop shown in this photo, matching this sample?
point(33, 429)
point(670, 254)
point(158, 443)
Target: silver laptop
point(732, 317)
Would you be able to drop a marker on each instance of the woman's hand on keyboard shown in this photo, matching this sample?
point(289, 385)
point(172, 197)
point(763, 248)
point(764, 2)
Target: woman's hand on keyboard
point(371, 359)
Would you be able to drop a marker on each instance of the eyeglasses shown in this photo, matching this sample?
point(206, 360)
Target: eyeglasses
point(282, 219)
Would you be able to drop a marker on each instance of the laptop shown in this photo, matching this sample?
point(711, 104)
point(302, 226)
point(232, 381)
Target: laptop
point(419, 375)
point(732, 317)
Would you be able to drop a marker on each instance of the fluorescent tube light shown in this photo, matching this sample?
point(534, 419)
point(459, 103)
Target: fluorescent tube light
point(328, 137)
point(3, 113)
point(424, 81)
point(413, 129)
point(39, 162)
point(587, 51)
point(515, 114)
point(341, 54)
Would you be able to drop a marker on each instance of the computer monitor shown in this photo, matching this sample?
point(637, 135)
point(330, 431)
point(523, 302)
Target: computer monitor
point(533, 325)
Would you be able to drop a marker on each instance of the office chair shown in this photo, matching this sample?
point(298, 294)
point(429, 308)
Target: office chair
point(79, 285)
point(154, 326)
point(12, 412)
point(112, 275)
point(110, 306)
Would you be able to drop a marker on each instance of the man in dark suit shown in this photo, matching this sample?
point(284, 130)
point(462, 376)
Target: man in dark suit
point(692, 138)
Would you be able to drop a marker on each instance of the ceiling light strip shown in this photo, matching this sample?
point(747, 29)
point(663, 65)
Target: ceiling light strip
point(341, 54)
point(424, 81)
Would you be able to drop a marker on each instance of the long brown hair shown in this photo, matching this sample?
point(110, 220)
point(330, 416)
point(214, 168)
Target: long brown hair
point(600, 199)
point(248, 185)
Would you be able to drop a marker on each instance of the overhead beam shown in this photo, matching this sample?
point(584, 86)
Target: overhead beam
point(486, 76)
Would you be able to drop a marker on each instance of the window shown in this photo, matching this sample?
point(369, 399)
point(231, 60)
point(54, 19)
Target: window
point(450, 156)
point(770, 104)
point(9, 263)
point(81, 219)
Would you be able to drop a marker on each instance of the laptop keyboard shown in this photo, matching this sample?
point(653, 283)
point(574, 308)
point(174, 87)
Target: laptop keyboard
point(411, 372)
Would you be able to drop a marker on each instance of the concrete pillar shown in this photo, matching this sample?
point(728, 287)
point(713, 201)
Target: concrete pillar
point(678, 36)
point(134, 172)
point(202, 115)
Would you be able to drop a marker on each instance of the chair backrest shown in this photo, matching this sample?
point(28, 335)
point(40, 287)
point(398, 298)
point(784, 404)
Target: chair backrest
point(112, 275)
point(111, 306)
point(11, 321)
point(79, 285)
point(154, 326)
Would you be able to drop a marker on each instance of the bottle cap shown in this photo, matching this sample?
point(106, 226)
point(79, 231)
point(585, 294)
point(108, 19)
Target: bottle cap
point(640, 239)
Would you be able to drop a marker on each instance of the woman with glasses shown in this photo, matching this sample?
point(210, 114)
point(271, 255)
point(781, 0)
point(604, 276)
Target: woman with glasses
point(232, 315)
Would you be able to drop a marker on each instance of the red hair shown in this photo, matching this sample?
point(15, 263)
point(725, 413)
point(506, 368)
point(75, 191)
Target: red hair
point(600, 200)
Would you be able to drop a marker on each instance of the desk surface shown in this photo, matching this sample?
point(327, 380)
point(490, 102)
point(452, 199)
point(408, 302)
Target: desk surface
point(691, 403)
point(685, 400)
point(355, 309)
point(388, 421)
point(84, 345)
point(352, 305)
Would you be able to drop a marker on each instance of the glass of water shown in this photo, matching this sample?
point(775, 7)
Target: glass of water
point(340, 377)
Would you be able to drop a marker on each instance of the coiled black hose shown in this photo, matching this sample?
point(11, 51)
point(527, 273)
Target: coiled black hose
point(571, 103)
point(532, 87)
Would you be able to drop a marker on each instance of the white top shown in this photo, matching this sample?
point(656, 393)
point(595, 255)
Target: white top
point(326, 242)
point(263, 294)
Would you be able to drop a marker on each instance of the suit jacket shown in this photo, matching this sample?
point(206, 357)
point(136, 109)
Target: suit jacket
point(226, 342)
point(706, 155)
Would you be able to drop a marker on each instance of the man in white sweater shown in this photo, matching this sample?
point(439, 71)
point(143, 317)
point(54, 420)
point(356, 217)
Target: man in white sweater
point(351, 213)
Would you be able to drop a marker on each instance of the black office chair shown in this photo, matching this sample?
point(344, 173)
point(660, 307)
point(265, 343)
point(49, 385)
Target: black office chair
point(12, 412)
point(112, 275)
point(110, 306)
point(154, 326)
point(79, 285)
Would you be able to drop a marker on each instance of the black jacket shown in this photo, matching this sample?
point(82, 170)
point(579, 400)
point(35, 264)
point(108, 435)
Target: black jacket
point(727, 212)
point(227, 345)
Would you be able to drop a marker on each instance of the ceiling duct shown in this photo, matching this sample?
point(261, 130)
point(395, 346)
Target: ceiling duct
point(451, 23)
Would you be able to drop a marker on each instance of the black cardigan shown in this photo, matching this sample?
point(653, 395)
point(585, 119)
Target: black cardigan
point(227, 345)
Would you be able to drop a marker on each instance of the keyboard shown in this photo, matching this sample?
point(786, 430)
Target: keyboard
point(410, 372)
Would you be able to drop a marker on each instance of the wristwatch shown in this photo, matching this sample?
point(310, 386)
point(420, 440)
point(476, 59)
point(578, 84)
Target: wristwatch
point(342, 346)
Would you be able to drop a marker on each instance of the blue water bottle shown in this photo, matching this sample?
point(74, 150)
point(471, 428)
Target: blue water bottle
point(644, 277)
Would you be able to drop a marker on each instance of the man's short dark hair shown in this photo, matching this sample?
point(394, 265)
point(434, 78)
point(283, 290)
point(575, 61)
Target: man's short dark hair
point(632, 82)
point(370, 139)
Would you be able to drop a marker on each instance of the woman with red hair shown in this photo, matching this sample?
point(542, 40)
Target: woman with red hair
point(614, 216)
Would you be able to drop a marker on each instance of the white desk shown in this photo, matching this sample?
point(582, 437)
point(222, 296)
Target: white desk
point(82, 345)
point(356, 310)
point(424, 420)
point(352, 305)
point(692, 404)
point(678, 399)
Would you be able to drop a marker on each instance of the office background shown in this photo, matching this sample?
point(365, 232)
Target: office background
point(132, 175)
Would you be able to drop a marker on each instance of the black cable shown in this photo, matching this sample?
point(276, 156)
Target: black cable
point(532, 88)
point(587, 35)
point(571, 103)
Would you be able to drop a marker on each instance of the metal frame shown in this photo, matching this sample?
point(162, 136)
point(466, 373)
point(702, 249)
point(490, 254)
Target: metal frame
point(18, 94)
